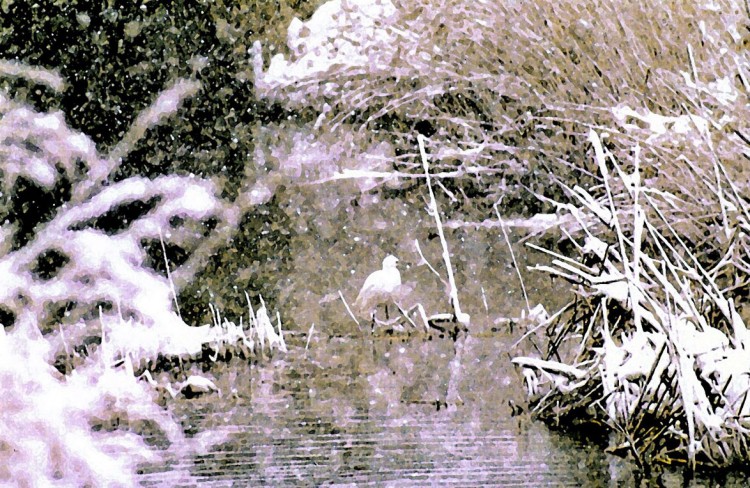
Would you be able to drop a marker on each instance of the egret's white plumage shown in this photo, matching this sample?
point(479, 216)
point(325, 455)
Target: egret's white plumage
point(380, 287)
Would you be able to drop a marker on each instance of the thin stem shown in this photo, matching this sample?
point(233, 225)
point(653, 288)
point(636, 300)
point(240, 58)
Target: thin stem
point(169, 275)
point(513, 256)
point(341, 295)
point(460, 316)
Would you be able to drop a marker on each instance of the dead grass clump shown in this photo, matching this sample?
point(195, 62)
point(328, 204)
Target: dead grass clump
point(505, 91)
point(654, 344)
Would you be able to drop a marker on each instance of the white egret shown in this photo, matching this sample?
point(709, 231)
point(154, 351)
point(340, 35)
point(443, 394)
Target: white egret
point(380, 287)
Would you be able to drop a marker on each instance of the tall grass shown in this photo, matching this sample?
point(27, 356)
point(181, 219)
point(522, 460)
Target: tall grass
point(507, 91)
point(653, 344)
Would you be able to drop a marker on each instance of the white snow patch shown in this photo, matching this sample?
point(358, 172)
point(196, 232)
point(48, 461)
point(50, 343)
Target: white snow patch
point(660, 126)
point(50, 121)
point(260, 194)
point(41, 172)
point(340, 34)
point(81, 143)
point(595, 246)
point(193, 200)
point(722, 89)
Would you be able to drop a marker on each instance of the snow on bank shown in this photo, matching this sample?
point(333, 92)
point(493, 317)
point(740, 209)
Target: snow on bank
point(342, 35)
point(46, 420)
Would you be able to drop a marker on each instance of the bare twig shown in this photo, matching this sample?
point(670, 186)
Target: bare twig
point(341, 295)
point(405, 314)
point(513, 256)
point(354, 174)
point(41, 76)
point(309, 336)
point(460, 316)
point(423, 314)
point(419, 250)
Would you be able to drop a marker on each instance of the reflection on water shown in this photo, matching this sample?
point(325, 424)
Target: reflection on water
point(363, 410)
point(370, 411)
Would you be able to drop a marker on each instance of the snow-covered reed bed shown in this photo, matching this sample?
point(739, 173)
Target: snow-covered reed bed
point(654, 343)
point(505, 91)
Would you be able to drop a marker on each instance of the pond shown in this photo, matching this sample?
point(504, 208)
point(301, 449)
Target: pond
point(370, 411)
point(347, 406)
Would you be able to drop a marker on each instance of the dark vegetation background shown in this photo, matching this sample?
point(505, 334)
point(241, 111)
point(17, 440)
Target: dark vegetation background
point(115, 58)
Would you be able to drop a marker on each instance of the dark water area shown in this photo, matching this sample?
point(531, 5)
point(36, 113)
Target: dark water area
point(363, 410)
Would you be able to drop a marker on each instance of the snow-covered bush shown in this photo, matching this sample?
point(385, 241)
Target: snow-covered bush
point(47, 423)
point(83, 288)
point(87, 252)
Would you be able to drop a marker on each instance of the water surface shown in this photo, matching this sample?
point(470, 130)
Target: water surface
point(371, 410)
